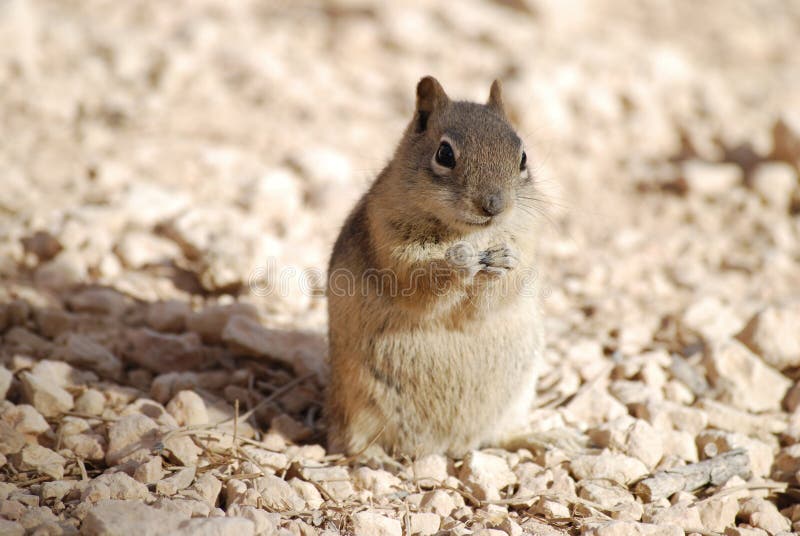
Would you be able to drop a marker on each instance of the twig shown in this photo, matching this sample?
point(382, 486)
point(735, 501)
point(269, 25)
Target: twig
point(778, 486)
point(192, 430)
point(353, 457)
point(235, 422)
point(82, 467)
point(32, 481)
point(274, 395)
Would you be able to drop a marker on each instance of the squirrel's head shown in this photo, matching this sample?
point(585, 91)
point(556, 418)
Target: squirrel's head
point(463, 162)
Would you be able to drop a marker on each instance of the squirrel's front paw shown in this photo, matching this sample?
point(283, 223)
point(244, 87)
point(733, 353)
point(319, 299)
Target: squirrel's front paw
point(497, 260)
point(464, 258)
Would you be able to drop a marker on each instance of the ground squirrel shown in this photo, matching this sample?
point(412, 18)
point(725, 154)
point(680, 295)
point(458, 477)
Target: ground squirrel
point(435, 329)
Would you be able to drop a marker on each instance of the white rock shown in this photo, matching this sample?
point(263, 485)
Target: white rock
point(11, 442)
point(73, 425)
point(634, 437)
point(62, 374)
point(188, 409)
point(511, 527)
point(607, 494)
point(334, 480)
point(429, 470)
point(40, 459)
point(211, 321)
point(712, 319)
point(26, 343)
point(137, 249)
point(614, 467)
point(680, 444)
point(63, 271)
point(763, 514)
point(488, 532)
point(180, 480)
point(114, 486)
point(711, 179)
point(164, 352)
point(277, 494)
point(101, 301)
point(89, 446)
point(372, 524)
point(594, 406)
point(45, 395)
point(301, 350)
point(532, 478)
point(237, 492)
point(182, 450)
point(379, 482)
point(486, 474)
point(81, 351)
point(25, 419)
point(631, 392)
point(11, 528)
point(265, 523)
point(168, 315)
point(150, 471)
point(682, 514)
point(742, 376)
point(5, 381)
point(277, 461)
point(718, 512)
point(56, 490)
point(773, 335)
point(308, 492)
point(207, 487)
point(90, 402)
point(631, 528)
point(551, 509)
point(678, 392)
point(128, 517)
point(131, 438)
point(424, 524)
point(38, 518)
point(54, 322)
point(187, 506)
point(725, 417)
point(438, 502)
point(775, 182)
point(216, 526)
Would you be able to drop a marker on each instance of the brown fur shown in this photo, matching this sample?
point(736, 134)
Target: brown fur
point(431, 351)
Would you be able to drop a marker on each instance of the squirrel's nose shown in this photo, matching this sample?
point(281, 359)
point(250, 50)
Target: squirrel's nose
point(493, 204)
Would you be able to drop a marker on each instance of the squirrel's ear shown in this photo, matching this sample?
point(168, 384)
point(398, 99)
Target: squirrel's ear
point(430, 97)
point(495, 101)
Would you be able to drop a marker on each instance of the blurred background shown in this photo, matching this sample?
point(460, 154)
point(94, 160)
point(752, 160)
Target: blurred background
point(172, 150)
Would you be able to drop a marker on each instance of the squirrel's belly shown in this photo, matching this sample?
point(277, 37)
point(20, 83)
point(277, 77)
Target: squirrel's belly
point(451, 389)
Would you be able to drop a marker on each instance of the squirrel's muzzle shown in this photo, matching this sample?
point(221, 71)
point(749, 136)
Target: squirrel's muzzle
point(492, 204)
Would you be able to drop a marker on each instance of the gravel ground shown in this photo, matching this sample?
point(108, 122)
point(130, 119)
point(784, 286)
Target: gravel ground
point(172, 175)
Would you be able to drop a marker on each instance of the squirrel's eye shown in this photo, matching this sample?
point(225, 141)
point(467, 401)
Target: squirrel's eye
point(523, 162)
point(445, 155)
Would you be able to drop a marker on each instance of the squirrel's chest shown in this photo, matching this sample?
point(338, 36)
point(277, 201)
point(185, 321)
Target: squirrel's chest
point(467, 329)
